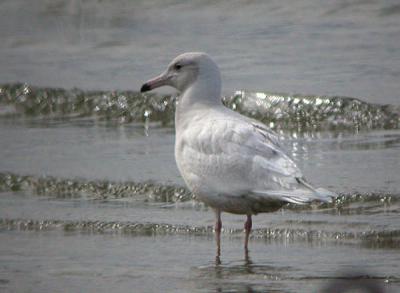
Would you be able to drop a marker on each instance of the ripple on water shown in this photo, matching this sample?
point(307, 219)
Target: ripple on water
point(366, 219)
point(152, 191)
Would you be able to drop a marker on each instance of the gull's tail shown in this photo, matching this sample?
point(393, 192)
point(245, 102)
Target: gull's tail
point(305, 193)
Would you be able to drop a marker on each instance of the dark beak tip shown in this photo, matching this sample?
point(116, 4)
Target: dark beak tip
point(145, 88)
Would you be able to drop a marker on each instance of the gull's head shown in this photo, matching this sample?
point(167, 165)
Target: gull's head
point(185, 70)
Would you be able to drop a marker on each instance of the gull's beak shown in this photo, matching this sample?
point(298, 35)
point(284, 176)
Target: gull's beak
point(162, 79)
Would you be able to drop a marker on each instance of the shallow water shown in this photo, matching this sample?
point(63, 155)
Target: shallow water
point(90, 197)
point(117, 215)
point(122, 264)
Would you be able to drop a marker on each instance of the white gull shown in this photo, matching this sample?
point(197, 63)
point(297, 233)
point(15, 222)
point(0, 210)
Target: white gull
point(230, 162)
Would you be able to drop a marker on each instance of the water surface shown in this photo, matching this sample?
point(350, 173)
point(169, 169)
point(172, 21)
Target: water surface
point(90, 197)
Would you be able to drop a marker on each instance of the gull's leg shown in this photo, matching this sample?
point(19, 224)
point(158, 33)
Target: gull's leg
point(247, 229)
point(218, 227)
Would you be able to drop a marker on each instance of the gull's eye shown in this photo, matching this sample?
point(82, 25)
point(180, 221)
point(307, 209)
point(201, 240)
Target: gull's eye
point(178, 66)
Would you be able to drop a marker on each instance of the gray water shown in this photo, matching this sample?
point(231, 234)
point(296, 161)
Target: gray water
point(346, 48)
point(90, 197)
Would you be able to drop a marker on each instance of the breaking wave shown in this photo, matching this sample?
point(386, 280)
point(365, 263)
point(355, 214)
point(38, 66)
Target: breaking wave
point(279, 111)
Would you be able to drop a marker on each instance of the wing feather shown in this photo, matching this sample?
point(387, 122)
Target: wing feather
point(246, 158)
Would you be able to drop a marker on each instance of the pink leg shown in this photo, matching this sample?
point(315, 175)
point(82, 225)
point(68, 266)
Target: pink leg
point(218, 227)
point(247, 228)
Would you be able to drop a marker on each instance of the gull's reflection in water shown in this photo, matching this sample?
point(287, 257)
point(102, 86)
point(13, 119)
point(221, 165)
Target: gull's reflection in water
point(218, 268)
point(225, 272)
point(247, 262)
point(246, 265)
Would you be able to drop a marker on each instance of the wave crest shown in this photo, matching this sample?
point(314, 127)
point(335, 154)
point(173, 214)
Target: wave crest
point(279, 111)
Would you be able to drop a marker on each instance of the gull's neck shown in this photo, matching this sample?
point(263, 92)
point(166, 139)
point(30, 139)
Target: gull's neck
point(203, 94)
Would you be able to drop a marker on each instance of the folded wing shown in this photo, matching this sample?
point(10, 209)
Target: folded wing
point(247, 159)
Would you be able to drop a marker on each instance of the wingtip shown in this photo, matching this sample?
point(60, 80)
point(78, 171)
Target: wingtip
point(326, 195)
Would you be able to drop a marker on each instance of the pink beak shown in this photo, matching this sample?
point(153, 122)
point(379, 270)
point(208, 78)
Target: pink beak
point(162, 79)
